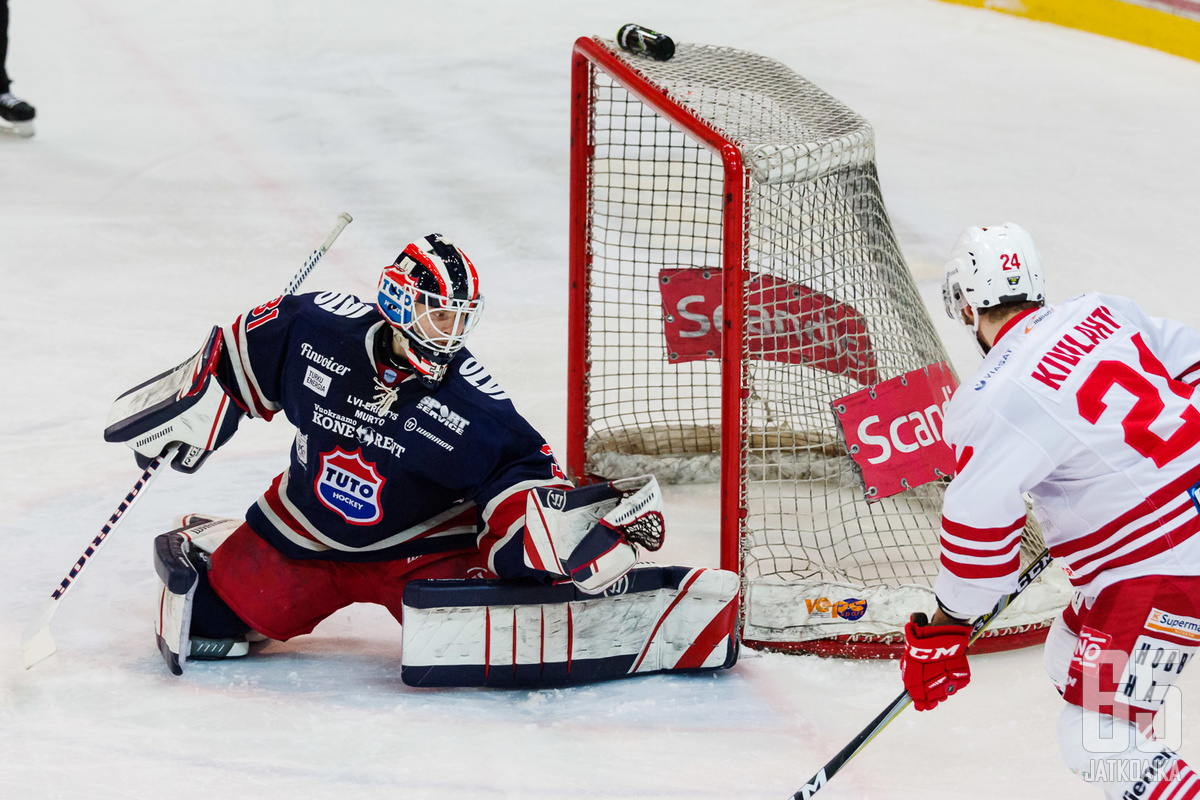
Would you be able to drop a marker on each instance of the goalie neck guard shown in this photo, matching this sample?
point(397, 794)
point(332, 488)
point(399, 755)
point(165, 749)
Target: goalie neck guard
point(430, 295)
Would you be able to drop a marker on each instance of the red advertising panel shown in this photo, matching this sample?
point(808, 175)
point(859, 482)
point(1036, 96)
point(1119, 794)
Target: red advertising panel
point(786, 322)
point(893, 430)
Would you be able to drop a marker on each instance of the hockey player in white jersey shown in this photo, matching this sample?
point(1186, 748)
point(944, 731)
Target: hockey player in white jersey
point(1089, 407)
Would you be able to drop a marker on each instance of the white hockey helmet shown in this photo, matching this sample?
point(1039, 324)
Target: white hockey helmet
point(992, 266)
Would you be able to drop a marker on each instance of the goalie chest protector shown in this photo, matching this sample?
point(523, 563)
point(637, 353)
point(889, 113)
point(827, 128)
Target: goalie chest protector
point(371, 480)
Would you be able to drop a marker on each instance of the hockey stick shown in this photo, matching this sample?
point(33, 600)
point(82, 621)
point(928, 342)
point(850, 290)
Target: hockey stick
point(344, 219)
point(37, 643)
point(816, 782)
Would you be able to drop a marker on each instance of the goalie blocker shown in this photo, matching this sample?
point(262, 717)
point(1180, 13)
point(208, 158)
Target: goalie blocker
point(185, 406)
point(508, 633)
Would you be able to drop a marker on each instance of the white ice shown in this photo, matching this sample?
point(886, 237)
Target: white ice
point(188, 158)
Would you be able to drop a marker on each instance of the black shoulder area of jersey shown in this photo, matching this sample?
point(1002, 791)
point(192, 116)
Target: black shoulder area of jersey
point(338, 311)
point(469, 381)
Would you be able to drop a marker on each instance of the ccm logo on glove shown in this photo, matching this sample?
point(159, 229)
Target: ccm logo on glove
point(934, 653)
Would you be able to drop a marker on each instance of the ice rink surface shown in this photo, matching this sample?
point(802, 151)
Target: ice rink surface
point(188, 158)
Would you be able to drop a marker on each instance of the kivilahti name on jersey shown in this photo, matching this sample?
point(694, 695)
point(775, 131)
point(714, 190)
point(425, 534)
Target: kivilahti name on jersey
point(1089, 407)
point(374, 477)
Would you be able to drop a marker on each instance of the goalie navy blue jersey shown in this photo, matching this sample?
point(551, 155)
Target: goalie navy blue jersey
point(381, 467)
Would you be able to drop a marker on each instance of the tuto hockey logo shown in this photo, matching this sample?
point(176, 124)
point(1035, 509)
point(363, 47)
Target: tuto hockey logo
point(350, 486)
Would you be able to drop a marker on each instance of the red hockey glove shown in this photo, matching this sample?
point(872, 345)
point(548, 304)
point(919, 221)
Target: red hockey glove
point(935, 661)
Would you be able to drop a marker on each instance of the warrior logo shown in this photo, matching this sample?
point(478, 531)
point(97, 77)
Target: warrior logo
point(350, 486)
point(618, 588)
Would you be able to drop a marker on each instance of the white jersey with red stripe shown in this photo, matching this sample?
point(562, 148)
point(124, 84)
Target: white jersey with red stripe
point(1088, 407)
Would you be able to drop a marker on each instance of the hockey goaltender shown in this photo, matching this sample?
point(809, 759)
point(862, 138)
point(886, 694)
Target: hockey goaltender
point(413, 483)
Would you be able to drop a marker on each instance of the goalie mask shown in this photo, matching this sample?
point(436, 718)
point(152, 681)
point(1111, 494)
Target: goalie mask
point(992, 266)
point(431, 297)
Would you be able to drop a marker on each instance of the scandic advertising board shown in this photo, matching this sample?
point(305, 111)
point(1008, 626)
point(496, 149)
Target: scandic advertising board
point(893, 430)
point(785, 322)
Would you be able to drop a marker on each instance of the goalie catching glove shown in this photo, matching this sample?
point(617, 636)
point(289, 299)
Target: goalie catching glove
point(591, 534)
point(185, 406)
point(934, 665)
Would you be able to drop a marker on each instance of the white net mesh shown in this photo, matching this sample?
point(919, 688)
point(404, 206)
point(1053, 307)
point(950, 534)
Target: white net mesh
point(814, 218)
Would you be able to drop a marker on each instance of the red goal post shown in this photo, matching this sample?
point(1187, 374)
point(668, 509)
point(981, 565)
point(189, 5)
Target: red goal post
point(589, 52)
point(724, 169)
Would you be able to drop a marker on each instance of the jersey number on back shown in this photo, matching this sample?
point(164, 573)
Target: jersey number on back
point(264, 313)
point(1146, 410)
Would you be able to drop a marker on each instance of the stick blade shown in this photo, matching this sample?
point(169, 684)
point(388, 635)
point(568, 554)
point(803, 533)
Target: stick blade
point(37, 643)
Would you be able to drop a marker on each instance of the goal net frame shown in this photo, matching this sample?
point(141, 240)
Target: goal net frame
point(596, 61)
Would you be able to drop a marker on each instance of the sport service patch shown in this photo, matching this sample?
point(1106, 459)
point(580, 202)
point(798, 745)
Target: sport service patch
point(350, 486)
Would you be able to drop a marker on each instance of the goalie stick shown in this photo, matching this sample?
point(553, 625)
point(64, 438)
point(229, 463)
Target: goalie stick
point(37, 643)
point(818, 781)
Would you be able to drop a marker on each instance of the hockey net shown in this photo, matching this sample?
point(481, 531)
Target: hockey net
point(757, 194)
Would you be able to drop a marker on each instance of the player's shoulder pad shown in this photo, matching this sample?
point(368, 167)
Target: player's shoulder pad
point(334, 313)
point(336, 304)
point(1113, 302)
point(975, 401)
point(471, 381)
point(1118, 303)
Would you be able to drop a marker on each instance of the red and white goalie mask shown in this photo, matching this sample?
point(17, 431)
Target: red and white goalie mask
point(431, 297)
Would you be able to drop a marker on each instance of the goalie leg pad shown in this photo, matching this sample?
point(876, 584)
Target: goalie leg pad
point(515, 633)
point(179, 557)
point(179, 580)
